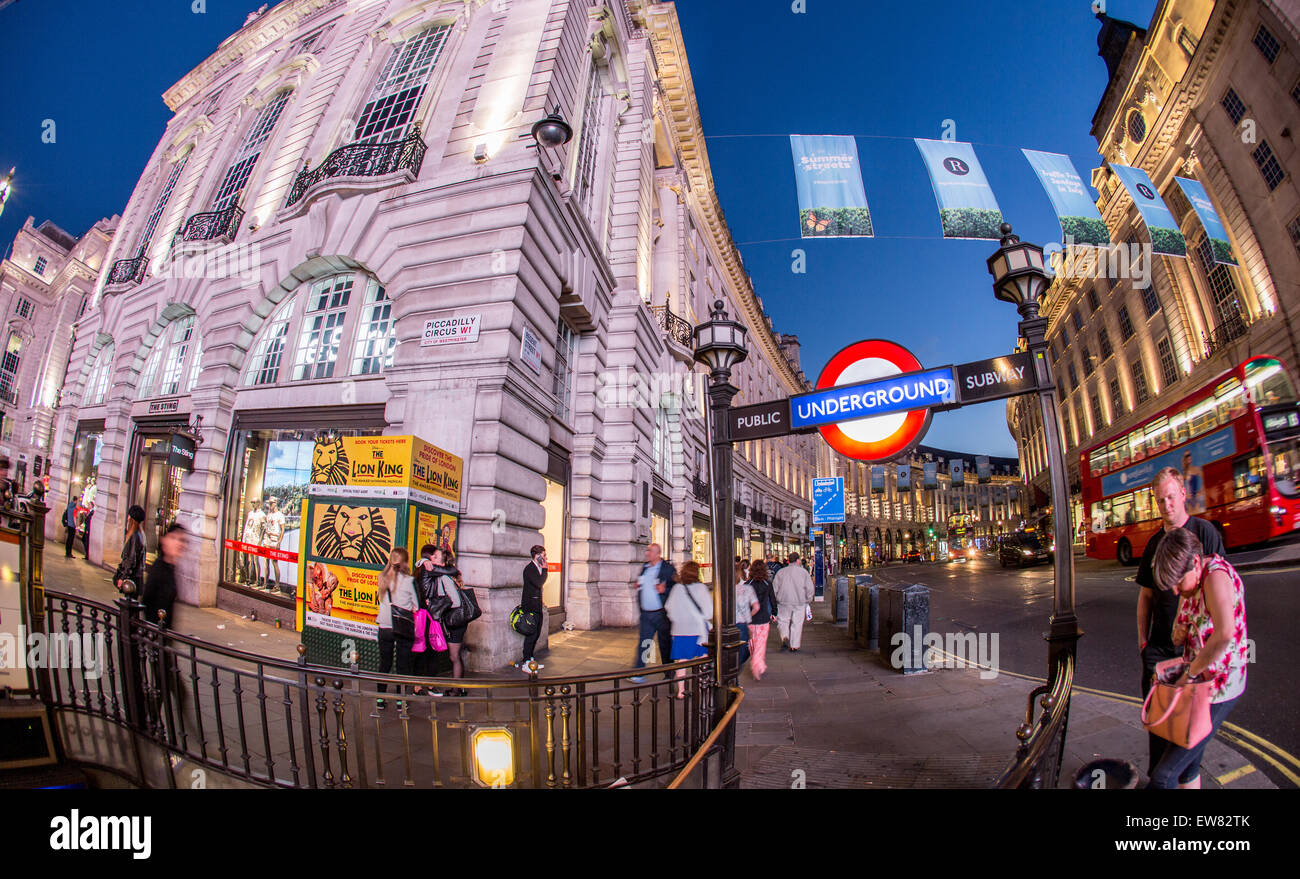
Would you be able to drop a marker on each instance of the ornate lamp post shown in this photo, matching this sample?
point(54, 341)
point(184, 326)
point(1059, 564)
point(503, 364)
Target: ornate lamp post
point(720, 345)
point(1020, 277)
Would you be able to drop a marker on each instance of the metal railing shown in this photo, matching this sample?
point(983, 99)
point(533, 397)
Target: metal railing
point(128, 271)
point(710, 747)
point(210, 226)
point(1037, 764)
point(741, 510)
point(758, 517)
point(779, 524)
point(678, 329)
point(362, 160)
point(700, 489)
point(277, 723)
point(1224, 335)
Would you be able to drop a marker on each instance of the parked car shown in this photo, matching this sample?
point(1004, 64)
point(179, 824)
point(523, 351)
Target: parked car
point(1023, 549)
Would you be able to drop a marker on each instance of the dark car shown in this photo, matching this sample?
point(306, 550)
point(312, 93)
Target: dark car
point(1023, 549)
point(912, 556)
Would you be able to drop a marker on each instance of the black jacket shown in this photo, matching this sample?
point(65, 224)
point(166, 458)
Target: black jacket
point(159, 592)
point(533, 580)
point(132, 565)
point(766, 601)
point(426, 582)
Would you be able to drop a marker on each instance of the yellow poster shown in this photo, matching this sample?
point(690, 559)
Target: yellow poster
point(361, 533)
point(426, 531)
point(435, 471)
point(342, 593)
point(398, 467)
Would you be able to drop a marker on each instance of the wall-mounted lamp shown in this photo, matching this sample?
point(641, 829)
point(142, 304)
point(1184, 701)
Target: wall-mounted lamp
point(552, 131)
point(481, 153)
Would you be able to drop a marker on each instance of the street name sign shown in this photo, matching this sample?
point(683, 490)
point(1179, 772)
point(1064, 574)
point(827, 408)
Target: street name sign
point(759, 421)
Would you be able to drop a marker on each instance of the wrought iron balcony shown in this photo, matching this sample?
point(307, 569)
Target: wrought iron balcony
point(214, 225)
point(780, 525)
point(1224, 335)
point(8, 389)
point(701, 490)
point(677, 328)
point(759, 517)
point(362, 160)
point(128, 271)
point(741, 510)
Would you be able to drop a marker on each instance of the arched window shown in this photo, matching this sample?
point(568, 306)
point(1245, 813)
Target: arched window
point(97, 384)
point(400, 86)
point(333, 319)
point(165, 372)
point(241, 166)
point(164, 195)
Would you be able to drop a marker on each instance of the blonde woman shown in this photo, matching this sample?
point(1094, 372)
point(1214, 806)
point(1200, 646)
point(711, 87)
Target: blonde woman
point(396, 616)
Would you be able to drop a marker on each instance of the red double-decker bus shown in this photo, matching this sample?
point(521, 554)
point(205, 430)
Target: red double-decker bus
point(1236, 441)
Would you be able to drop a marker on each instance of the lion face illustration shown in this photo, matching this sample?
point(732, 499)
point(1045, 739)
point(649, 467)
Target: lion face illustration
point(329, 461)
point(354, 534)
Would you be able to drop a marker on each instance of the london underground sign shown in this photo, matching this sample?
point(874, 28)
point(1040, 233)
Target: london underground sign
point(873, 400)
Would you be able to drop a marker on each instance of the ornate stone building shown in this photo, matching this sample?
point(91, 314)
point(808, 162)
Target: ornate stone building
point(45, 285)
point(1208, 91)
point(341, 172)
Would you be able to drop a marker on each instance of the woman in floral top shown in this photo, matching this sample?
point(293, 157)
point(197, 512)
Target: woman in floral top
point(1211, 624)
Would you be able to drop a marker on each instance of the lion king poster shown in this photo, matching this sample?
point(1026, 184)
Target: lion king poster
point(352, 533)
point(386, 467)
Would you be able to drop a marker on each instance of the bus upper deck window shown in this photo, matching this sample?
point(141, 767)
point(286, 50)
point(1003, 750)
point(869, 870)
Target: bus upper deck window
point(1268, 382)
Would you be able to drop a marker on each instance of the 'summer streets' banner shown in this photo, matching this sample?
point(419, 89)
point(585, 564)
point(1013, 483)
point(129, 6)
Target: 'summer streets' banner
point(967, 205)
point(1165, 237)
point(832, 200)
point(1195, 192)
point(1081, 223)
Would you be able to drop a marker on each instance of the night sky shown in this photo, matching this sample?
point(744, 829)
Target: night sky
point(1009, 75)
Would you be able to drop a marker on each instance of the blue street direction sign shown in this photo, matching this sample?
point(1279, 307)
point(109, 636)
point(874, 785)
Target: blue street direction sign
point(927, 389)
point(828, 500)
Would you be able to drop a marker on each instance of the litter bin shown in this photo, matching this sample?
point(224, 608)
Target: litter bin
point(840, 602)
point(904, 610)
point(1106, 773)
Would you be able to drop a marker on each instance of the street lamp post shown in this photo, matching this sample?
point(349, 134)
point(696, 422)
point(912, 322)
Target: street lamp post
point(1020, 277)
point(720, 345)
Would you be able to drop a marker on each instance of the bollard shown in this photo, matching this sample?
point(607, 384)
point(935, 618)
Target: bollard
point(873, 616)
point(840, 600)
point(853, 609)
point(905, 613)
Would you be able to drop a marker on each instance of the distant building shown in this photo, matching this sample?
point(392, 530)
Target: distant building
point(1208, 91)
point(885, 516)
point(45, 285)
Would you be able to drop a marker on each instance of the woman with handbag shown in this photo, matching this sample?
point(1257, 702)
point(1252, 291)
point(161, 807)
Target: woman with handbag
point(458, 615)
point(1210, 678)
point(396, 620)
point(690, 611)
point(747, 608)
point(762, 618)
point(131, 566)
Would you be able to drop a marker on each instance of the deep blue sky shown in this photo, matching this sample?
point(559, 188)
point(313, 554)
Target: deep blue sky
point(1010, 75)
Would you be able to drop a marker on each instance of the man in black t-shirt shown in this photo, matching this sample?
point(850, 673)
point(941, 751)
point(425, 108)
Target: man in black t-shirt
point(1158, 607)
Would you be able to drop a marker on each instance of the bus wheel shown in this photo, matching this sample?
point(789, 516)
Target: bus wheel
point(1124, 553)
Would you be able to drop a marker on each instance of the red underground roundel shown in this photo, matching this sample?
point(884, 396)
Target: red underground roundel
point(884, 436)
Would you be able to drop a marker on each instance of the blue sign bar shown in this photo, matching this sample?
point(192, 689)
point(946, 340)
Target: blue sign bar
point(900, 393)
point(828, 500)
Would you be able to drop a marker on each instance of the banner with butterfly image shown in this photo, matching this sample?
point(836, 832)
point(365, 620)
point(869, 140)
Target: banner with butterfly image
point(828, 178)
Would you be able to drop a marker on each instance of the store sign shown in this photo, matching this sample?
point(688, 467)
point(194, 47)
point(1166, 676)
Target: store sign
point(454, 329)
point(164, 407)
point(182, 452)
point(530, 350)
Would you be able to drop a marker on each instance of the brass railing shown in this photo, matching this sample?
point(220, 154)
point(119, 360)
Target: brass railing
point(710, 746)
point(277, 723)
point(362, 160)
point(128, 271)
point(213, 225)
point(1037, 764)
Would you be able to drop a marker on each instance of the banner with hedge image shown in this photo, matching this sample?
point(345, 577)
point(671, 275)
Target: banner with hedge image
point(1209, 217)
point(832, 200)
point(1163, 228)
point(1080, 220)
point(967, 206)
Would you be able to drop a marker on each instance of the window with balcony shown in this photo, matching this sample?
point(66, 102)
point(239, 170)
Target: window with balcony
point(39, 268)
point(400, 86)
point(331, 320)
point(160, 203)
point(241, 166)
point(1125, 324)
point(24, 307)
point(1223, 292)
point(100, 373)
point(9, 364)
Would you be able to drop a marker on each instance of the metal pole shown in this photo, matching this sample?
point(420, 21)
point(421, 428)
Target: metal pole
point(1064, 627)
point(727, 667)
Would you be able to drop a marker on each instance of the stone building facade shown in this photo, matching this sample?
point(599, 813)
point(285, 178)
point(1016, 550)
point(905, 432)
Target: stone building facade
point(340, 172)
point(1208, 91)
point(46, 283)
